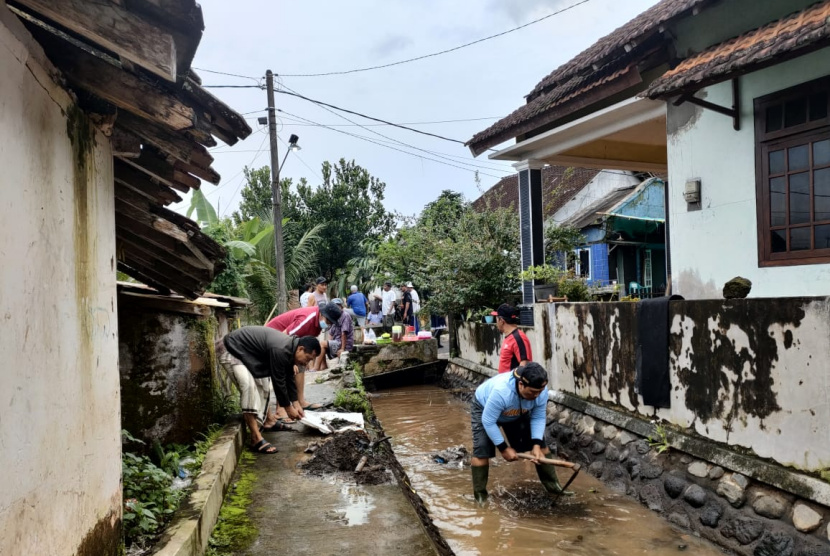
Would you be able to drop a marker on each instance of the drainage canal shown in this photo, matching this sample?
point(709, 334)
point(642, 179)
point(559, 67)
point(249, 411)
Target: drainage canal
point(520, 518)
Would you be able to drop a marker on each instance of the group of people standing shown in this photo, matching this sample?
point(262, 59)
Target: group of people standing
point(273, 357)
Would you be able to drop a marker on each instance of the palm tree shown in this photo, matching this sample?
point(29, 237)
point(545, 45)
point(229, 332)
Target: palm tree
point(255, 243)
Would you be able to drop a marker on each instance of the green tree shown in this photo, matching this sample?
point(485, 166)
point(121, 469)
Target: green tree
point(349, 206)
point(459, 258)
point(256, 194)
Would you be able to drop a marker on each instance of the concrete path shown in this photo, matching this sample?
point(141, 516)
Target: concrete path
point(325, 516)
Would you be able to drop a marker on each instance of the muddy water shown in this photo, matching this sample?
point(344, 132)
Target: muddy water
point(596, 521)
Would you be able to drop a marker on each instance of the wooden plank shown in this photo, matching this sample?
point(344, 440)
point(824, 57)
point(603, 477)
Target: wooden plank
point(207, 174)
point(133, 273)
point(125, 144)
point(165, 140)
point(159, 244)
point(173, 270)
point(160, 169)
point(142, 183)
point(147, 268)
point(127, 34)
point(125, 90)
point(166, 304)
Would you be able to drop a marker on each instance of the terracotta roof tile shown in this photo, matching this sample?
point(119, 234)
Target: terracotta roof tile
point(595, 66)
point(559, 185)
point(788, 37)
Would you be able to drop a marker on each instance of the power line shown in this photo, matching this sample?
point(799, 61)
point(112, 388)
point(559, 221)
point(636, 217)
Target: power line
point(384, 145)
point(401, 123)
point(293, 93)
point(436, 53)
point(324, 106)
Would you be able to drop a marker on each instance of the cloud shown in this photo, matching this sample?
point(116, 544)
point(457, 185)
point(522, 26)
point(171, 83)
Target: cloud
point(390, 45)
point(523, 11)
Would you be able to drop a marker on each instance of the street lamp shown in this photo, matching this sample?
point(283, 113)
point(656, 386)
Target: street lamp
point(292, 146)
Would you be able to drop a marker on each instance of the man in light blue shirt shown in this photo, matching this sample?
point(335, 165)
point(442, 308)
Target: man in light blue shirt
point(517, 401)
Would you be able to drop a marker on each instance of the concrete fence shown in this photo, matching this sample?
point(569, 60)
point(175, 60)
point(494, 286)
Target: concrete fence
point(750, 373)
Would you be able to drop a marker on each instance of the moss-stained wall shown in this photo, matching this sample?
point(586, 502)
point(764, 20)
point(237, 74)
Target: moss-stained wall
point(59, 424)
point(167, 367)
point(750, 373)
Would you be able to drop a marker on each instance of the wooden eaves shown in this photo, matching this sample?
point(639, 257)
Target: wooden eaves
point(128, 63)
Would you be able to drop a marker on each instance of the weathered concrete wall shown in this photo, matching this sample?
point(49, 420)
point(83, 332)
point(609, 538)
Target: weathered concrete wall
point(376, 360)
point(747, 373)
point(170, 383)
point(750, 507)
point(60, 423)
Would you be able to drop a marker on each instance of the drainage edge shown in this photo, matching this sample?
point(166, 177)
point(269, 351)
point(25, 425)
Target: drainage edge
point(190, 530)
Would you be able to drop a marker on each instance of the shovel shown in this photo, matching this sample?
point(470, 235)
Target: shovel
point(559, 463)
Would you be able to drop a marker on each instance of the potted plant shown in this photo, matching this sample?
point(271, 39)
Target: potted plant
point(546, 280)
point(488, 318)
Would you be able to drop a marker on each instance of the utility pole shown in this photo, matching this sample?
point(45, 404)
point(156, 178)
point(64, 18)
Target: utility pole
point(282, 301)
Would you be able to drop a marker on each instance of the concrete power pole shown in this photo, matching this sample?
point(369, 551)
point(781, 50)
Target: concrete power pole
point(282, 301)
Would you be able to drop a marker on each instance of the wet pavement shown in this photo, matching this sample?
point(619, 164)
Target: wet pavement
point(302, 514)
point(520, 518)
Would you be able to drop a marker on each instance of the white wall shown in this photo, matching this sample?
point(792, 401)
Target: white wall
point(719, 242)
point(60, 448)
point(604, 183)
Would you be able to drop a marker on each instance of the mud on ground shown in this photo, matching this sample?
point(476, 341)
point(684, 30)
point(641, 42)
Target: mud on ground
point(341, 452)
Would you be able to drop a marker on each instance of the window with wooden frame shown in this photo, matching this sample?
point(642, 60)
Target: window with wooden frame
point(792, 132)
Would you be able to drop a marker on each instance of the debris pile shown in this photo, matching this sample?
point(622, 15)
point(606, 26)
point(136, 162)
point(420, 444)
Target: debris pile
point(343, 452)
point(454, 454)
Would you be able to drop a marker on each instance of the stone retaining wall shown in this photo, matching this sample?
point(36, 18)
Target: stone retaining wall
point(742, 514)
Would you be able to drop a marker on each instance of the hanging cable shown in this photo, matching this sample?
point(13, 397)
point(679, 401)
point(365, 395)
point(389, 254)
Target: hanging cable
point(432, 55)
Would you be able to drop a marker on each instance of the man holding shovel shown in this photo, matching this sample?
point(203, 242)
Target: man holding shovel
point(516, 401)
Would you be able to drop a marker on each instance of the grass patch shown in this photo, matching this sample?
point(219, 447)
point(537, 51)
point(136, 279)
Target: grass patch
point(354, 399)
point(234, 531)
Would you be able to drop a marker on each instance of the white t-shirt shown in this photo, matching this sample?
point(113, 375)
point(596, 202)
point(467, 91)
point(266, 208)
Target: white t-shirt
point(389, 298)
point(416, 301)
point(304, 299)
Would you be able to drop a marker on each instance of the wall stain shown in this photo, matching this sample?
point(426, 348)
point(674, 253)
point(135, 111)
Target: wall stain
point(82, 136)
point(718, 370)
point(597, 341)
point(104, 539)
point(487, 337)
point(547, 336)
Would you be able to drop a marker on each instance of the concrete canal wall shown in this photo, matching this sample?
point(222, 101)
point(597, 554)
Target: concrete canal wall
point(747, 426)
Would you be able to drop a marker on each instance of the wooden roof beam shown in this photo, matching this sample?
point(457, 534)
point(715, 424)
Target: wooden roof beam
point(123, 89)
point(140, 276)
point(158, 168)
point(167, 141)
point(146, 267)
point(141, 183)
point(125, 33)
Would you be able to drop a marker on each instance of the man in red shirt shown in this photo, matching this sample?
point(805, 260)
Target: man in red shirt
point(305, 321)
point(515, 350)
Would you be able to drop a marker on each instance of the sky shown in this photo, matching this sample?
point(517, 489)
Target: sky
point(482, 83)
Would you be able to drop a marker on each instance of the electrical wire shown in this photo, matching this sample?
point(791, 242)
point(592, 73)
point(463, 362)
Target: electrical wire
point(293, 93)
point(387, 146)
point(399, 62)
point(325, 107)
point(401, 123)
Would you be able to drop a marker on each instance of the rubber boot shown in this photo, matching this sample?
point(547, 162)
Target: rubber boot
point(547, 475)
point(480, 476)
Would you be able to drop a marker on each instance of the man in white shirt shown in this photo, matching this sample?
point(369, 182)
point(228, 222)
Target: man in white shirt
point(388, 306)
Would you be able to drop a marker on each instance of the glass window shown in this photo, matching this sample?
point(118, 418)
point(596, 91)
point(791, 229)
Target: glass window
point(793, 182)
point(799, 198)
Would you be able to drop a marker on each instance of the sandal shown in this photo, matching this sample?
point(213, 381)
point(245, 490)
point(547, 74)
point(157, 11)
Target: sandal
point(313, 406)
point(277, 427)
point(265, 448)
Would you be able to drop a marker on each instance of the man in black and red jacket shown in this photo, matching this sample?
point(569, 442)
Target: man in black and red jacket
point(515, 350)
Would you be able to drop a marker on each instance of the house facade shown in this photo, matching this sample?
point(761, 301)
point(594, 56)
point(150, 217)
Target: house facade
point(726, 97)
point(98, 134)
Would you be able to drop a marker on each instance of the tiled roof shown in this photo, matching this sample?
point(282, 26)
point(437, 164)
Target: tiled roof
point(605, 62)
point(559, 185)
point(788, 37)
point(592, 214)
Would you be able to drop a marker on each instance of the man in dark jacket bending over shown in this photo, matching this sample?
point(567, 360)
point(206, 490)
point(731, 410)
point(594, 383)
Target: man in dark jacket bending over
point(258, 359)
